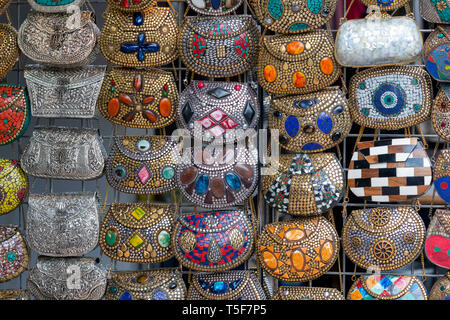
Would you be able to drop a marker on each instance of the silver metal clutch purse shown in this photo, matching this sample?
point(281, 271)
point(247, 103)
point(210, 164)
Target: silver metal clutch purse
point(64, 153)
point(63, 225)
point(66, 279)
point(64, 93)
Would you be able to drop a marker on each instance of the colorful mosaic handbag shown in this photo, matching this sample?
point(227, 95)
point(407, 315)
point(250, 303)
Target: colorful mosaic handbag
point(435, 11)
point(435, 54)
point(64, 153)
point(218, 178)
point(218, 107)
point(293, 16)
point(138, 232)
point(131, 5)
point(63, 93)
point(214, 7)
point(311, 123)
point(388, 238)
point(162, 284)
point(64, 224)
point(441, 173)
point(14, 113)
point(441, 289)
point(13, 253)
point(390, 98)
point(53, 279)
point(13, 185)
point(299, 250)
point(231, 285)
point(9, 49)
point(145, 99)
point(14, 294)
point(440, 113)
point(53, 39)
point(213, 241)
point(218, 46)
point(307, 293)
point(387, 287)
point(437, 242)
point(141, 39)
point(52, 6)
point(378, 41)
point(297, 64)
point(304, 184)
point(387, 5)
point(389, 170)
point(142, 164)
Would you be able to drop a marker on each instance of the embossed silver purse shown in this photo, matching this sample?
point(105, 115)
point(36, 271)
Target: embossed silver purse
point(62, 225)
point(218, 107)
point(55, 39)
point(64, 93)
point(50, 279)
point(64, 153)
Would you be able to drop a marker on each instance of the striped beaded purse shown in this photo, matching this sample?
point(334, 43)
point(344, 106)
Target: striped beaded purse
point(213, 241)
point(441, 173)
point(14, 113)
point(145, 99)
point(13, 185)
point(435, 11)
point(389, 170)
point(297, 64)
point(440, 113)
point(437, 242)
point(13, 253)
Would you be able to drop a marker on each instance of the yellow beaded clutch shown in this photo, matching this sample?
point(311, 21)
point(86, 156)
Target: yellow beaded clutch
point(13, 185)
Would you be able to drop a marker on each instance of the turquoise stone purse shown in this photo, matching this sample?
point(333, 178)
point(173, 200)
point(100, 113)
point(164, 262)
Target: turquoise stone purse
point(52, 6)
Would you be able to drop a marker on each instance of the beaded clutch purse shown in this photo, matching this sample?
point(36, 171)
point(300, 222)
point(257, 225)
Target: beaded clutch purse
point(440, 112)
point(218, 178)
point(293, 16)
point(389, 5)
point(306, 293)
point(13, 185)
point(305, 184)
point(388, 238)
point(67, 93)
point(145, 99)
point(376, 41)
point(390, 98)
point(387, 287)
point(231, 285)
point(142, 164)
point(140, 39)
point(214, 7)
point(64, 153)
point(217, 108)
point(299, 250)
point(441, 175)
point(389, 170)
point(52, 279)
point(52, 6)
point(9, 48)
point(62, 225)
point(138, 232)
point(13, 253)
point(441, 289)
point(313, 122)
point(162, 284)
point(297, 64)
point(14, 113)
point(52, 39)
point(131, 5)
point(218, 46)
point(213, 241)
point(435, 11)
point(437, 242)
point(435, 54)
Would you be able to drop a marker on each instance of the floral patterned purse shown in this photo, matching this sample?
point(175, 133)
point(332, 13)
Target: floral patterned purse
point(299, 250)
point(13, 253)
point(305, 184)
point(306, 293)
point(435, 54)
point(138, 232)
point(13, 185)
point(142, 164)
point(441, 173)
point(297, 64)
point(9, 49)
point(140, 39)
point(218, 46)
point(440, 113)
point(213, 241)
point(437, 242)
point(145, 99)
point(313, 122)
point(14, 113)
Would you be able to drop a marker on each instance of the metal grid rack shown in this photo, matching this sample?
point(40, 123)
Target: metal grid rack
point(18, 11)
